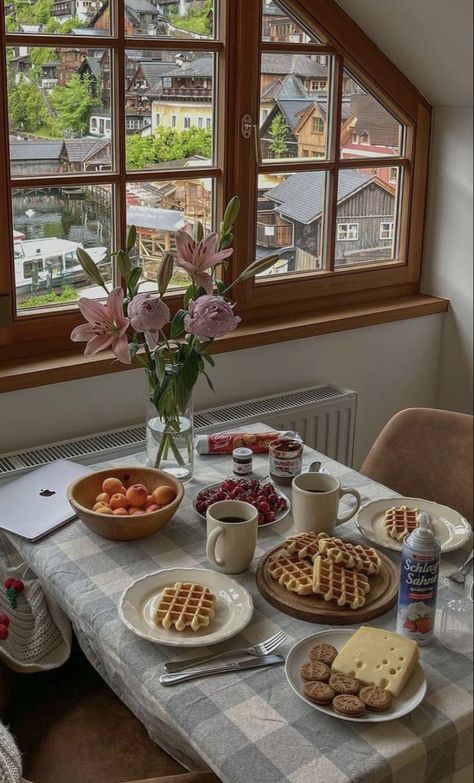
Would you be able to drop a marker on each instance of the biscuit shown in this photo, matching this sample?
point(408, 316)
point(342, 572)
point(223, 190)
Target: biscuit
point(319, 692)
point(351, 706)
point(376, 699)
point(315, 671)
point(343, 684)
point(325, 653)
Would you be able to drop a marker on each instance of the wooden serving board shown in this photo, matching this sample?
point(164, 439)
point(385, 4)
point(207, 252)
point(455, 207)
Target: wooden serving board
point(314, 609)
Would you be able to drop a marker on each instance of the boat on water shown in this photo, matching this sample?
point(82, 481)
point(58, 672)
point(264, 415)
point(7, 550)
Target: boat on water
point(49, 263)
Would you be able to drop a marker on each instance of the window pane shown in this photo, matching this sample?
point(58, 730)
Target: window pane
point(170, 18)
point(367, 222)
point(79, 17)
point(158, 210)
point(49, 225)
point(278, 26)
point(170, 109)
point(290, 220)
point(294, 106)
point(369, 130)
point(59, 111)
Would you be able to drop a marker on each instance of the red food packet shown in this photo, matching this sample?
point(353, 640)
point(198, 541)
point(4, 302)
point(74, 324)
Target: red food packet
point(226, 442)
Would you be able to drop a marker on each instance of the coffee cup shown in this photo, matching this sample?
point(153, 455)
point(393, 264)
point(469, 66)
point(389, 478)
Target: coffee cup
point(316, 498)
point(231, 535)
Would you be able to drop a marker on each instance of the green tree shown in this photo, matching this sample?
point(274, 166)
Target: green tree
point(41, 55)
point(139, 151)
point(167, 145)
point(279, 131)
point(73, 104)
point(26, 108)
point(196, 21)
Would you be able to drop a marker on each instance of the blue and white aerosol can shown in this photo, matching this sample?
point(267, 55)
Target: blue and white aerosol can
point(419, 584)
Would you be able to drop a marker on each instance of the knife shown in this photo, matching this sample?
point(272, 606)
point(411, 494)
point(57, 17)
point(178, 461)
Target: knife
point(267, 660)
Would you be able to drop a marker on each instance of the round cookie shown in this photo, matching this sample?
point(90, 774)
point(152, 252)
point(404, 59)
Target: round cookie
point(344, 685)
point(376, 699)
point(319, 692)
point(315, 671)
point(351, 706)
point(325, 653)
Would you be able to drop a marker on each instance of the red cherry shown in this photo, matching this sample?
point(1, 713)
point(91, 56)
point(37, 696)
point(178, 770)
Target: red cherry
point(261, 519)
point(3, 632)
point(9, 582)
point(264, 507)
point(18, 586)
point(4, 620)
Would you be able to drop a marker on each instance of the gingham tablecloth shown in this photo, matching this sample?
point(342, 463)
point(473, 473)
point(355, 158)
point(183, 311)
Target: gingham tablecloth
point(250, 727)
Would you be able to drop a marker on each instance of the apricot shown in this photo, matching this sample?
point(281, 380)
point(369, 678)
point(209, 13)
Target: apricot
point(132, 510)
point(164, 495)
point(120, 512)
point(100, 505)
point(102, 498)
point(111, 486)
point(105, 510)
point(152, 507)
point(118, 501)
point(150, 501)
point(138, 512)
point(137, 495)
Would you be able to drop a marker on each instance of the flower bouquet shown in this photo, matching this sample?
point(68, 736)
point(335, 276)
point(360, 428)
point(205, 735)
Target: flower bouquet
point(173, 351)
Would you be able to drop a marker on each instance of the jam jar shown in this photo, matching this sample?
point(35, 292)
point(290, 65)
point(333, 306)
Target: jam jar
point(286, 460)
point(242, 461)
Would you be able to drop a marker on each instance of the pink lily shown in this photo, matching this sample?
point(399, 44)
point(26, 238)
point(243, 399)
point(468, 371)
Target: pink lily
point(197, 257)
point(107, 326)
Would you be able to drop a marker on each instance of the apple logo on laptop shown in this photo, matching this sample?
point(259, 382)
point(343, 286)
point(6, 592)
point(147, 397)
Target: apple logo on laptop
point(47, 493)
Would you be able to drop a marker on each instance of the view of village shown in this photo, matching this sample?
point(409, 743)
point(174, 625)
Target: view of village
point(61, 121)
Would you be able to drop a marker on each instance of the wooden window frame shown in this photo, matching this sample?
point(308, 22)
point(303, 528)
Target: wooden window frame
point(235, 172)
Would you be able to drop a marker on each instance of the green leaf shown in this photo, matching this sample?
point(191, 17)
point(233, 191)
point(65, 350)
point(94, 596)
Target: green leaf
point(188, 295)
point(190, 370)
point(131, 238)
point(209, 382)
point(208, 359)
point(232, 212)
point(198, 231)
point(221, 286)
point(134, 280)
point(226, 240)
point(257, 267)
point(89, 266)
point(124, 264)
point(177, 326)
point(165, 273)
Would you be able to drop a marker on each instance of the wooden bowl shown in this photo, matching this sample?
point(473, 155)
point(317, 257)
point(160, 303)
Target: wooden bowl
point(83, 492)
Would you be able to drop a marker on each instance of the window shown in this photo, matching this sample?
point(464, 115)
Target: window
point(311, 194)
point(347, 232)
point(386, 230)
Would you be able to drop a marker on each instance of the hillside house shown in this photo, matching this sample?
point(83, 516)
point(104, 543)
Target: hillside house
point(183, 99)
point(141, 18)
point(36, 157)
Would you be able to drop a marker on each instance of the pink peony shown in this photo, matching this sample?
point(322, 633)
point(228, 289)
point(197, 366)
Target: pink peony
point(148, 314)
point(209, 317)
point(197, 257)
point(107, 327)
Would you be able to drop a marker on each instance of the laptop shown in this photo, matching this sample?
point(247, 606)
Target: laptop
point(36, 503)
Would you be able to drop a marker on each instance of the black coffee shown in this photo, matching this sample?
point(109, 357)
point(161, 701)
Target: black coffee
point(317, 491)
point(231, 520)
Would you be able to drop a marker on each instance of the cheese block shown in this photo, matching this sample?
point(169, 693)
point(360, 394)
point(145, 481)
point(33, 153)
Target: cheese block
point(378, 657)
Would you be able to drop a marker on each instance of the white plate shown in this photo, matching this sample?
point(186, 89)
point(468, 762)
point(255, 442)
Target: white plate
point(281, 515)
point(410, 698)
point(234, 607)
point(449, 527)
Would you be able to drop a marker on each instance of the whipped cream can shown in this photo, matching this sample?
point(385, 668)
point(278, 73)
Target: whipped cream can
point(419, 584)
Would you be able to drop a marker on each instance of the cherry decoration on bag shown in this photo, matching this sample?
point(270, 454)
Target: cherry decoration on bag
point(14, 588)
point(4, 623)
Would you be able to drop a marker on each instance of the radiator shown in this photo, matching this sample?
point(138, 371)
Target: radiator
point(324, 416)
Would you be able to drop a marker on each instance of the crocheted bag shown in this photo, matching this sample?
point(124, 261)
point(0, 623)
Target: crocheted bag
point(35, 634)
point(10, 759)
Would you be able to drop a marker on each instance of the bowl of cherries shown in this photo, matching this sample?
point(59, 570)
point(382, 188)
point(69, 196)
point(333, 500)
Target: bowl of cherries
point(272, 505)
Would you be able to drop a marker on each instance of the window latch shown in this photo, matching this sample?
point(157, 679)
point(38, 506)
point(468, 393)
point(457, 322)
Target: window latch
point(246, 126)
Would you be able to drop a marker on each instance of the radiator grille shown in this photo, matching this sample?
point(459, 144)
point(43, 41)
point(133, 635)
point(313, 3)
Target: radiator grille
point(323, 415)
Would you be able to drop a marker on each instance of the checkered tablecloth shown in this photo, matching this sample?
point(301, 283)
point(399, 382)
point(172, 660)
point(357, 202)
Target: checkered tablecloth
point(250, 727)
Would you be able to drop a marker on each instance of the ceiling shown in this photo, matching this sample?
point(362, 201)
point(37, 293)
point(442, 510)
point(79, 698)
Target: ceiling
point(429, 40)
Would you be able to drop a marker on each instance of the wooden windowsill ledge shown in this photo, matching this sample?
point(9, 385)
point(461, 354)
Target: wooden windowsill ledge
point(68, 366)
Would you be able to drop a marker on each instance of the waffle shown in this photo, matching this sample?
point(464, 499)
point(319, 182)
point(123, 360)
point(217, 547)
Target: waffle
point(185, 606)
point(305, 545)
point(400, 522)
point(292, 572)
point(333, 582)
point(352, 556)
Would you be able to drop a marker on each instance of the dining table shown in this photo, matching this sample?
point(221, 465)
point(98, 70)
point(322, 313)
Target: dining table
point(249, 726)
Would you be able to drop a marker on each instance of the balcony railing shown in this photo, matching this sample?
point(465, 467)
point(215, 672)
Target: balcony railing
point(187, 93)
point(273, 236)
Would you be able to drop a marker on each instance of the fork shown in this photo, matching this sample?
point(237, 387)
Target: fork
point(263, 648)
point(459, 576)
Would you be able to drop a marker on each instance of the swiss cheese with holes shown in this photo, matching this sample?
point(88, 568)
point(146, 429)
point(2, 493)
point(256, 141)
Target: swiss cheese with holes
point(378, 657)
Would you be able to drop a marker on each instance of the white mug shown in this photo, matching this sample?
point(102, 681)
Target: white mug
point(316, 498)
point(231, 535)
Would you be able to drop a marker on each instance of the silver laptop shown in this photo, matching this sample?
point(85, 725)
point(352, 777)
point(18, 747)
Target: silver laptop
point(36, 503)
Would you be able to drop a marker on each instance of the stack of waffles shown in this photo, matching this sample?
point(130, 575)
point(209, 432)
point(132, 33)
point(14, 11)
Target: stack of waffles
point(184, 606)
point(400, 522)
point(316, 564)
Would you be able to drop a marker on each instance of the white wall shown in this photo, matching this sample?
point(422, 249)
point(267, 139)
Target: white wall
point(449, 251)
point(390, 366)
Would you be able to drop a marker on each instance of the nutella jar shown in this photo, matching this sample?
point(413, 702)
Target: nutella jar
point(242, 461)
point(286, 460)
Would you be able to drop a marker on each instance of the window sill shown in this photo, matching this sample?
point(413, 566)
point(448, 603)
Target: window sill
point(68, 366)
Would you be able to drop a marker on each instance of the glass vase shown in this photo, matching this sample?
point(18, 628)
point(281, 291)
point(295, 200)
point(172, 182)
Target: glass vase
point(170, 438)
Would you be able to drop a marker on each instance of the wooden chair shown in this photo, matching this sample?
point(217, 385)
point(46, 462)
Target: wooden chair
point(425, 453)
point(71, 728)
